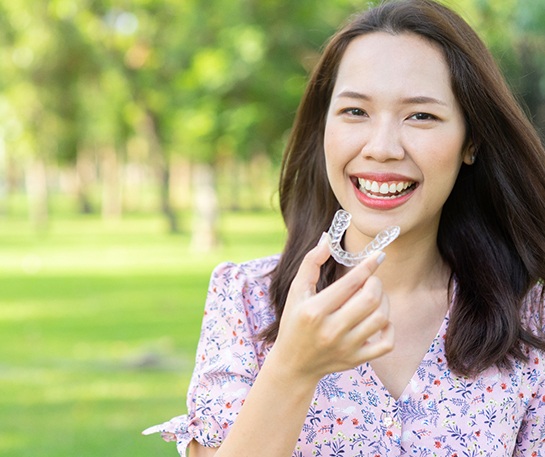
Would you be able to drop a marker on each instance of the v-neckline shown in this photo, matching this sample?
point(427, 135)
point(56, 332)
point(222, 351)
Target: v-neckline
point(436, 340)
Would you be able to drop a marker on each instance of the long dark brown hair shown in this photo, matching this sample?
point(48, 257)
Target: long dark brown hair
point(491, 232)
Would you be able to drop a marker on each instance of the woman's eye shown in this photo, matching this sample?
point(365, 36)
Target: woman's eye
point(423, 117)
point(354, 111)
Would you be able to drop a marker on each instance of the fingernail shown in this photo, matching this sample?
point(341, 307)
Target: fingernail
point(381, 258)
point(324, 238)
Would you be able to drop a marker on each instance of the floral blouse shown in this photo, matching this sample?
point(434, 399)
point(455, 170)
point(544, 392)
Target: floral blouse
point(352, 414)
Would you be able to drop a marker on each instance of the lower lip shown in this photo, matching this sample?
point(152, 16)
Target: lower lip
point(382, 203)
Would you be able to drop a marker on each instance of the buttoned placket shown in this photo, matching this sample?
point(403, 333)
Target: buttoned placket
point(392, 426)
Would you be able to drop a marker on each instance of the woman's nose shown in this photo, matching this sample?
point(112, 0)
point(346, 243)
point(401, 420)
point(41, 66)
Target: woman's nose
point(382, 141)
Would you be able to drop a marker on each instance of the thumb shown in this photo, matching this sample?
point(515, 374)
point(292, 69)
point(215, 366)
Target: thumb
point(309, 271)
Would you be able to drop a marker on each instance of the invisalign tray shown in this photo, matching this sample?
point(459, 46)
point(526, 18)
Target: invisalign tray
point(340, 223)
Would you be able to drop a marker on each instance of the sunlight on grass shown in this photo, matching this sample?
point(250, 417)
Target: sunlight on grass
point(98, 327)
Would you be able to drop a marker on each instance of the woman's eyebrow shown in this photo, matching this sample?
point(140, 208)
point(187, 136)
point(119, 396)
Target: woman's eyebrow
point(417, 100)
point(353, 94)
point(422, 100)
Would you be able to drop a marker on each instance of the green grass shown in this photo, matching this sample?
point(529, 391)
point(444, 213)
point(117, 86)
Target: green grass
point(98, 328)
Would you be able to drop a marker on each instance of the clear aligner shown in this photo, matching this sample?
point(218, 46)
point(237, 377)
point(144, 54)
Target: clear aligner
point(340, 223)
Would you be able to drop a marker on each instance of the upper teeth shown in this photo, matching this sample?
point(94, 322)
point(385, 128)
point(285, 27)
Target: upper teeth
point(384, 187)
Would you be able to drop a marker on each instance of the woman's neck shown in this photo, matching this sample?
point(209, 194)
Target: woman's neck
point(416, 275)
point(413, 265)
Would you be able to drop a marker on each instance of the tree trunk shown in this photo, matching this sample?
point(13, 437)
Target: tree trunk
point(180, 183)
point(204, 234)
point(37, 194)
point(84, 178)
point(4, 178)
point(233, 176)
point(162, 164)
point(260, 180)
point(166, 207)
point(111, 184)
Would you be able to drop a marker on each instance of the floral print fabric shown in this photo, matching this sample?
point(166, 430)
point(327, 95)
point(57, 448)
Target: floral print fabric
point(438, 415)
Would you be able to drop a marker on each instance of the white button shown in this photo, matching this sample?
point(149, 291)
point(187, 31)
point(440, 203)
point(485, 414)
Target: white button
point(388, 421)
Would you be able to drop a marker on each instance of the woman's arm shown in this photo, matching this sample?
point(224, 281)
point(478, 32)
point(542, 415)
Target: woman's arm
point(319, 334)
point(196, 450)
point(270, 421)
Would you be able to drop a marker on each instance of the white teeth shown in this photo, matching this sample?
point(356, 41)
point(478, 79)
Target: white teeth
point(384, 188)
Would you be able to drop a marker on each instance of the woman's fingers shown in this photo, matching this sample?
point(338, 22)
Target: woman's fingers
point(358, 326)
point(304, 283)
point(376, 347)
point(332, 330)
point(366, 301)
point(338, 293)
point(366, 326)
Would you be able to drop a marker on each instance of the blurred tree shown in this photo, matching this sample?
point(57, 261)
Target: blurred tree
point(515, 32)
point(91, 85)
point(146, 53)
point(214, 84)
point(244, 82)
point(50, 69)
point(529, 43)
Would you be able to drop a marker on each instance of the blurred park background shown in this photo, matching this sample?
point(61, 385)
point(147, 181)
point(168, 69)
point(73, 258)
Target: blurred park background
point(140, 142)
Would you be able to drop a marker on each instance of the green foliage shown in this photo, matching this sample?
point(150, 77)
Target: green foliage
point(219, 78)
point(515, 32)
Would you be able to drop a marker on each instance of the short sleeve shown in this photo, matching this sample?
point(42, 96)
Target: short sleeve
point(229, 356)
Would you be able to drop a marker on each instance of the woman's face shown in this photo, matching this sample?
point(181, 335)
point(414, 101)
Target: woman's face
point(394, 136)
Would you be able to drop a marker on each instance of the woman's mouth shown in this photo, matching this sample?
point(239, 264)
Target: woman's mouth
point(384, 190)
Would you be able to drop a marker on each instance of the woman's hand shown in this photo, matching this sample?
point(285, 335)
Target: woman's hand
point(339, 328)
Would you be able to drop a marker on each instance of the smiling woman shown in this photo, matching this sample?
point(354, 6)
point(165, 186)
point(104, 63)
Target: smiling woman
point(435, 346)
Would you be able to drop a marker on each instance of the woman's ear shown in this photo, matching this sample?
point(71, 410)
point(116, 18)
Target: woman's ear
point(470, 155)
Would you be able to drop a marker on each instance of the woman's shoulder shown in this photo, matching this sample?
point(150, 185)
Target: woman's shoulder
point(239, 297)
point(242, 284)
point(533, 309)
point(252, 270)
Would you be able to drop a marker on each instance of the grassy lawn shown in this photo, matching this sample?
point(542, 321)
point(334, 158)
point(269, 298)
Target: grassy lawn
point(98, 328)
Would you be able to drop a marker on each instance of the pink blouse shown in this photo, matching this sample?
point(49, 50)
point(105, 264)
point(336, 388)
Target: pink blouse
point(352, 414)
